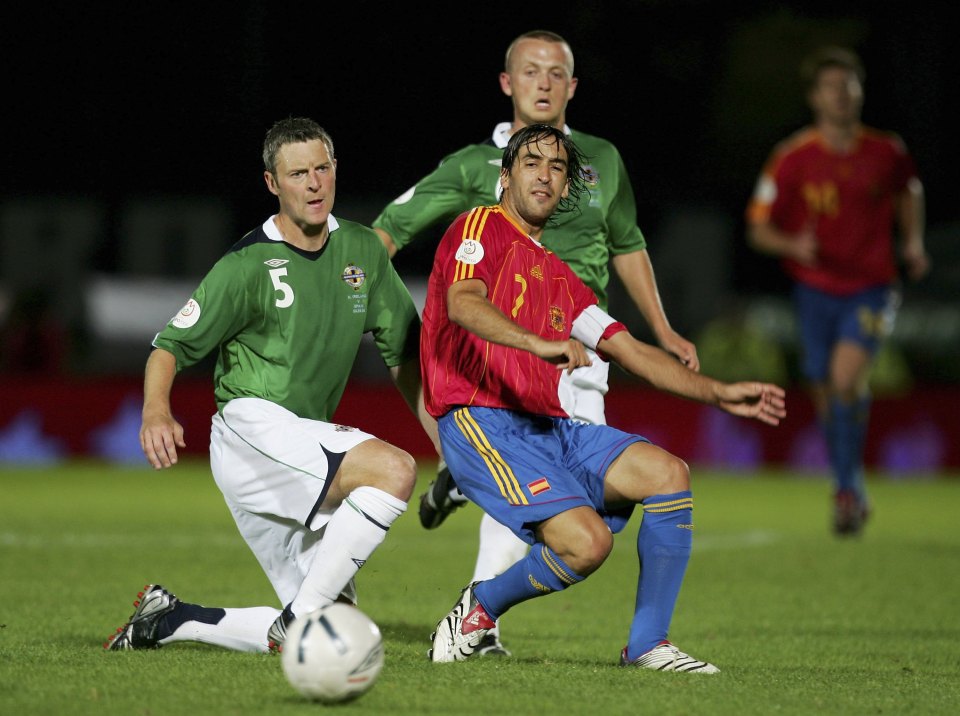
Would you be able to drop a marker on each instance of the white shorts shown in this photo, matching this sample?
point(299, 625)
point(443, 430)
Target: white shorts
point(274, 469)
point(581, 392)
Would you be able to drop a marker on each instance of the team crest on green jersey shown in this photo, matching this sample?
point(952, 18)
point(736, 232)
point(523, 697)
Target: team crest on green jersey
point(591, 177)
point(354, 276)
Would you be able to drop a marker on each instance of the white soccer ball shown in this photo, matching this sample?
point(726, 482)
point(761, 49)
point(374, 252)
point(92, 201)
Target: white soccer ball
point(332, 654)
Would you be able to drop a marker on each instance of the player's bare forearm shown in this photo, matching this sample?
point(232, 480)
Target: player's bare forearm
point(680, 348)
point(469, 308)
point(158, 378)
point(635, 271)
point(768, 239)
point(911, 219)
point(656, 367)
point(387, 241)
point(160, 433)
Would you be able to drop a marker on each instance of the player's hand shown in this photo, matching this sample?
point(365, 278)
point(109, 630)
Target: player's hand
point(916, 261)
point(567, 355)
point(763, 401)
point(160, 436)
point(804, 247)
point(681, 349)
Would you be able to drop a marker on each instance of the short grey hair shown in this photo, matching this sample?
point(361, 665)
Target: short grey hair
point(292, 130)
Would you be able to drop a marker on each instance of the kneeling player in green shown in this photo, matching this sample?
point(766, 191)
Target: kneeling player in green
point(285, 310)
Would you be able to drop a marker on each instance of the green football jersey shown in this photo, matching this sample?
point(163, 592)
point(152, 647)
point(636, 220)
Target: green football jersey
point(605, 224)
point(287, 323)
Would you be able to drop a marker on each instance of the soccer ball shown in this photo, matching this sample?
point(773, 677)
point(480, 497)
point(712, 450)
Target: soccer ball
point(332, 654)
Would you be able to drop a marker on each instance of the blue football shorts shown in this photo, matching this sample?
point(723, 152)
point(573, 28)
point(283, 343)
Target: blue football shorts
point(523, 469)
point(865, 318)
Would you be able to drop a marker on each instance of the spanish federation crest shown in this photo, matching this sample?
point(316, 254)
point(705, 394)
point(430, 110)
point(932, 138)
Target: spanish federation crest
point(354, 276)
point(557, 321)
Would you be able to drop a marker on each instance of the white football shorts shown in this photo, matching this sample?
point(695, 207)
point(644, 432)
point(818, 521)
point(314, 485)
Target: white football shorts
point(273, 469)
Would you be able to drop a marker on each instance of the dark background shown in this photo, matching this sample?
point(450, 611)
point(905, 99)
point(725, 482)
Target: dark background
point(118, 103)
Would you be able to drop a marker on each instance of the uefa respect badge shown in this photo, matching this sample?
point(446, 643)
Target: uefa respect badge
point(188, 315)
point(470, 252)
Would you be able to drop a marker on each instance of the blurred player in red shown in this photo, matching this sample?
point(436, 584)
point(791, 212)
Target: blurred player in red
point(826, 203)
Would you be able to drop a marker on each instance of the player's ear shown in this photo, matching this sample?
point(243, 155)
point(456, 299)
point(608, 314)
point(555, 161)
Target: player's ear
point(505, 85)
point(271, 183)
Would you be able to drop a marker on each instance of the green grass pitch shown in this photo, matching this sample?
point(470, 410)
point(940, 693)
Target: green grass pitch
point(798, 621)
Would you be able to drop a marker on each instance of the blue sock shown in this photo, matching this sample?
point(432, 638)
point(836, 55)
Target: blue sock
point(862, 419)
point(537, 574)
point(663, 546)
point(846, 433)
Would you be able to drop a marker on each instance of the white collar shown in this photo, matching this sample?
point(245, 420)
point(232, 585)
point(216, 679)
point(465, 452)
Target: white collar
point(501, 134)
point(273, 233)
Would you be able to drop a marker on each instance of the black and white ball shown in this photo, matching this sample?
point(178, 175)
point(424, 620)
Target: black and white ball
point(333, 654)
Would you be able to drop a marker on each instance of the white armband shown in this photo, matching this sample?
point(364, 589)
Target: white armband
point(590, 325)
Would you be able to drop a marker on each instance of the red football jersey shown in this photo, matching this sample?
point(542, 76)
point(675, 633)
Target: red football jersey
point(849, 200)
point(529, 284)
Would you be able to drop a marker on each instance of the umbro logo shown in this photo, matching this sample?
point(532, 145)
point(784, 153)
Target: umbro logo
point(273, 263)
point(495, 162)
point(359, 562)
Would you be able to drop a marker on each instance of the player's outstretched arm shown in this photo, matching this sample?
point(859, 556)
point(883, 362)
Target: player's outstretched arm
point(160, 434)
point(762, 401)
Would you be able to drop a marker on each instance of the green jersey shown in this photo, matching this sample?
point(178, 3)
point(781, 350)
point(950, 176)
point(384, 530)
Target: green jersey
point(287, 323)
point(605, 224)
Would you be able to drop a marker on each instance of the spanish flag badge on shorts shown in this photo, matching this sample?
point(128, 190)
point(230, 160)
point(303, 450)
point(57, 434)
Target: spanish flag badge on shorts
point(538, 486)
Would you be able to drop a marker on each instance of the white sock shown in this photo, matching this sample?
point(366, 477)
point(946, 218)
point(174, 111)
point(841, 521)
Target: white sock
point(240, 629)
point(499, 549)
point(354, 531)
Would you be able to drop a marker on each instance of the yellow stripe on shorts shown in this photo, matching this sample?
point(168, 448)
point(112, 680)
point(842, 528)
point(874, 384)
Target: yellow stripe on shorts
point(499, 469)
